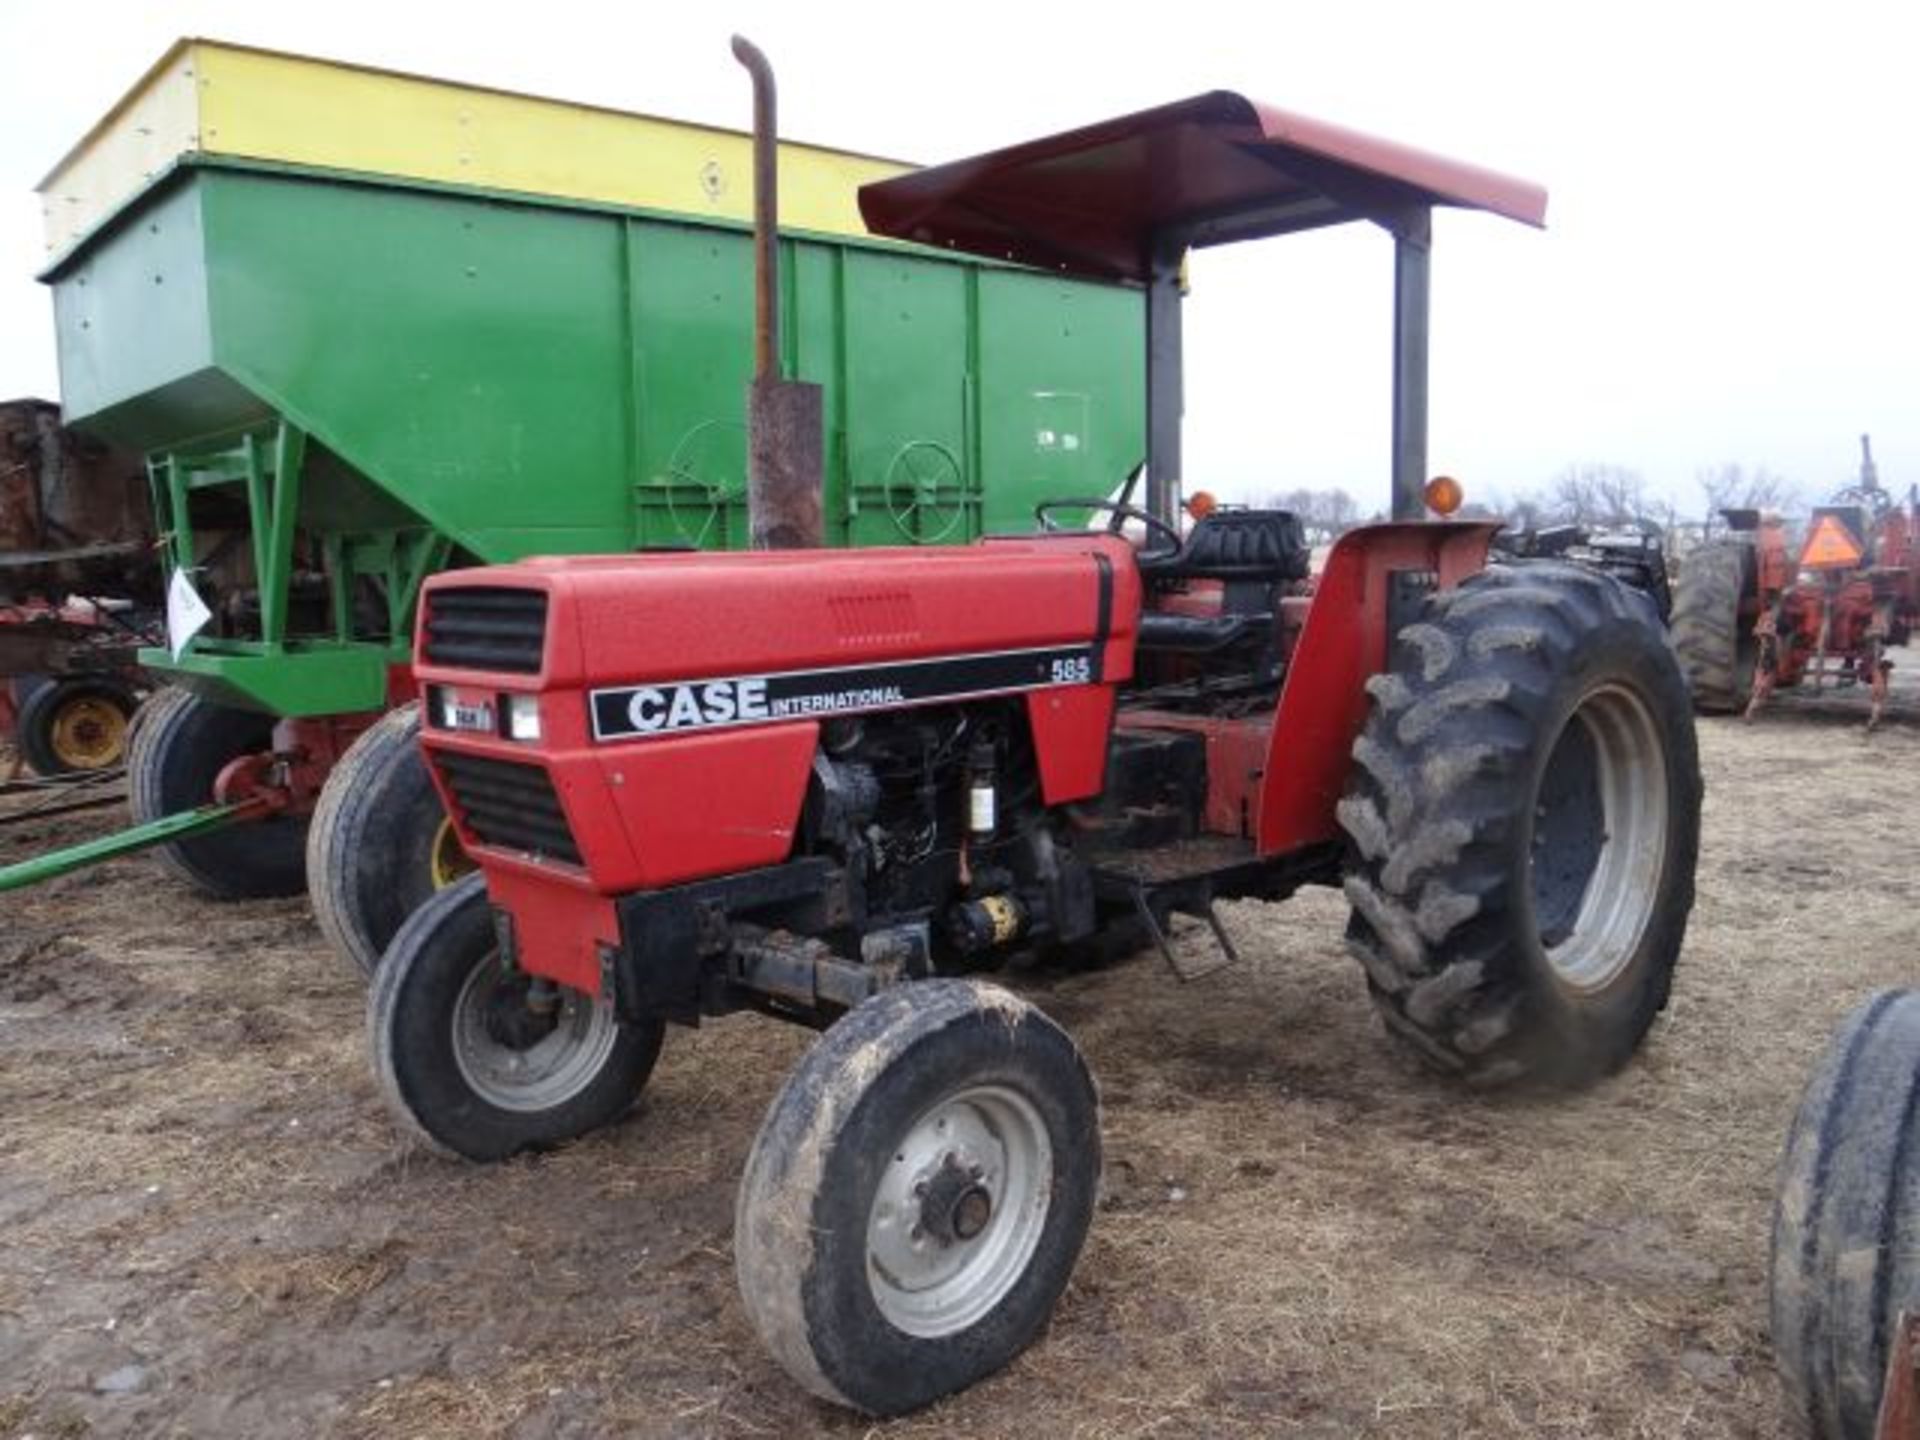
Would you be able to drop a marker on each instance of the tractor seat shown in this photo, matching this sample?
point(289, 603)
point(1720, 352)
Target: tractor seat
point(1264, 545)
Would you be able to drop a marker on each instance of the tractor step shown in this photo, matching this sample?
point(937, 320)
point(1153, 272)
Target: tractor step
point(1187, 970)
point(1177, 879)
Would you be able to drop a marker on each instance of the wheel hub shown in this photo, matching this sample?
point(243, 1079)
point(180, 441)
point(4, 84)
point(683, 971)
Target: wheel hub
point(527, 1045)
point(954, 1205)
point(519, 1017)
point(89, 734)
point(1599, 838)
point(959, 1210)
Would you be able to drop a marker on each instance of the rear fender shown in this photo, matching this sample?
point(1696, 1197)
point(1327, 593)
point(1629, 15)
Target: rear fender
point(1343, 643)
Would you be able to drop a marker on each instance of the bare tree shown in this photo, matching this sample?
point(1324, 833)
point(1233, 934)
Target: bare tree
point(1734, 487)
point(1591, 494)
point(1325, 514)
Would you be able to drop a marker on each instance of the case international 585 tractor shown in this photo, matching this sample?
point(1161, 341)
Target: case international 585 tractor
point(835, 786)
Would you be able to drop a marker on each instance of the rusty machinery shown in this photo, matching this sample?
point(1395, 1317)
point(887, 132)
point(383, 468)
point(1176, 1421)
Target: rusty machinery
point(1754, 614)
point(79, 590)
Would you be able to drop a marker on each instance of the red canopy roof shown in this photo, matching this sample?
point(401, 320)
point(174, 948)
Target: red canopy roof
point(1205, 171)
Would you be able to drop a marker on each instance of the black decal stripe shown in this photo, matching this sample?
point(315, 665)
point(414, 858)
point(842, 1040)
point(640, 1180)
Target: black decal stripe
point(1103, 612)
point(684, 706)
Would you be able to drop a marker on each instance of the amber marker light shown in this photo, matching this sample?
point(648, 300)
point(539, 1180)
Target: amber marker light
point(1201, 504)
point(1443, 495)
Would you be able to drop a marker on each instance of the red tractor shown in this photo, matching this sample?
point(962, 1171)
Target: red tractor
point(1752, 615)
point(836, 787)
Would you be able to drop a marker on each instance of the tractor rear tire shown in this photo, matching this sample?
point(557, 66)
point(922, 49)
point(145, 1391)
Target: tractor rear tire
point(178, 750)
point(76, 724)
point(380, 842)
point(1846, 1218)
point(1715, 655)
point(1524, 813)
point(916, 1198)
point(473, 1061)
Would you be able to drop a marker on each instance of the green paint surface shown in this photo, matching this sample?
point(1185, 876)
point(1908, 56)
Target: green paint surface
point(524, 378)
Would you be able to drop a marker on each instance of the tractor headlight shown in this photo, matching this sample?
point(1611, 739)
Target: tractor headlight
point(440, 706)
point(522, 716)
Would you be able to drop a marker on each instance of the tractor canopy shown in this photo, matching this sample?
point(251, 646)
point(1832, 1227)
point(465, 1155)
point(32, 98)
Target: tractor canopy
point(1098, 201)
point(1126, 199)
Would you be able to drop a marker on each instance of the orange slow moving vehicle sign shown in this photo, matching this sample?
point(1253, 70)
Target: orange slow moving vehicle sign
point(1830, 546)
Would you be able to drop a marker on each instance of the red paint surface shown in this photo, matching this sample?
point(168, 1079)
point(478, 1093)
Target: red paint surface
point(1089, 201)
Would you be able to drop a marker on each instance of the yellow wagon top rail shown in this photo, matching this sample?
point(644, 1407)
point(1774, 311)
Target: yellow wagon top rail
point(207, 97)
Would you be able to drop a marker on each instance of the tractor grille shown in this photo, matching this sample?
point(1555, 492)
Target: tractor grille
point(509, 805)
point(487, 628)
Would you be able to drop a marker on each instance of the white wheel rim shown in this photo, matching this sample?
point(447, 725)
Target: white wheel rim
point(981, 1157)
point(1622, 890)
point(530, 1078)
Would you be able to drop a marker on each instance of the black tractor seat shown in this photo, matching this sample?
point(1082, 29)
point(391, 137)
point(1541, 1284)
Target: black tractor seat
point(1263, 545)
point(1251, 552)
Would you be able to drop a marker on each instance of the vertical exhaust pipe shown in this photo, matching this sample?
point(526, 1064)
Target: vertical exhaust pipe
point(785, 468)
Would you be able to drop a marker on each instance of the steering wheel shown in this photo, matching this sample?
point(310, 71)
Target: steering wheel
point(1118, 513)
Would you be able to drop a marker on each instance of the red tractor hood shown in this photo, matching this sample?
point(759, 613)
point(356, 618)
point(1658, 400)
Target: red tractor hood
point(633, 619)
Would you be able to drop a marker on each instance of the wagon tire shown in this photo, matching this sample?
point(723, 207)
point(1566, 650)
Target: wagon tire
point(918, 1194)
point(1715, 655)
point(472, 1060)
point(178, 748)
point(1846, 1218)
point(76, 724)
point(1524, 816)
point(380, 842)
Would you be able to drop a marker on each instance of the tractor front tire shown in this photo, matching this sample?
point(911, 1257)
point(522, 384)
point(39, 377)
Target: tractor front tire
point(918, 1194)
point(180, 745)
point(1846, 1218)
point(380, 842)
point(1716, 656)
point(76, 724)
point(479, 1061)
point(1524, 813)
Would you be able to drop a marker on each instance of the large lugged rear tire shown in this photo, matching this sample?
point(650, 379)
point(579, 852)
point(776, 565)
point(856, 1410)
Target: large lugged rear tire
point(1846, 1218)
point(1715, 655)
point(914, 1203)
point(380, 842)
point(1525, 817)
point(178, 750)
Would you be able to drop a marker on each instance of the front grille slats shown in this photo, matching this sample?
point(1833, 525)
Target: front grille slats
point(487, 627)
point(510, 805)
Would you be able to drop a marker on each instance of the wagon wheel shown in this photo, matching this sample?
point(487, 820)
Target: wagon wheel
point(925, 488)
point(706, 475)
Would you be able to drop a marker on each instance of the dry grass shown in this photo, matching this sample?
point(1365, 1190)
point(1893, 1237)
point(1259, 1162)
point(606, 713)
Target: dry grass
point(1299, 1234)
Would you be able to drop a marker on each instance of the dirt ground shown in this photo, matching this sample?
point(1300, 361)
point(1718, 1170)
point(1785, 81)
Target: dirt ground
point(209, 1228)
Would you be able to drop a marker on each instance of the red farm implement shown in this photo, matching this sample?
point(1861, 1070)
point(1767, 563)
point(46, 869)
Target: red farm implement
point(79, 583)
point(1755, 615)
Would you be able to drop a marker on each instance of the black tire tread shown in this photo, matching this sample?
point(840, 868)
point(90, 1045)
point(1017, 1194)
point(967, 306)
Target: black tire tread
point(1706, 624)
point(781, 1235)
point(360, 794)
point(1845, 1255)
point(425, 952)
point(165, 730)
point(1429, 813)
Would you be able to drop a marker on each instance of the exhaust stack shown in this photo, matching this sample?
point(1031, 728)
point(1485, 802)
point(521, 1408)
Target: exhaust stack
point(784, 417)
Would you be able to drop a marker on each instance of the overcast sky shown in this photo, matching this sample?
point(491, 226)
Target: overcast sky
point(1727, 272)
